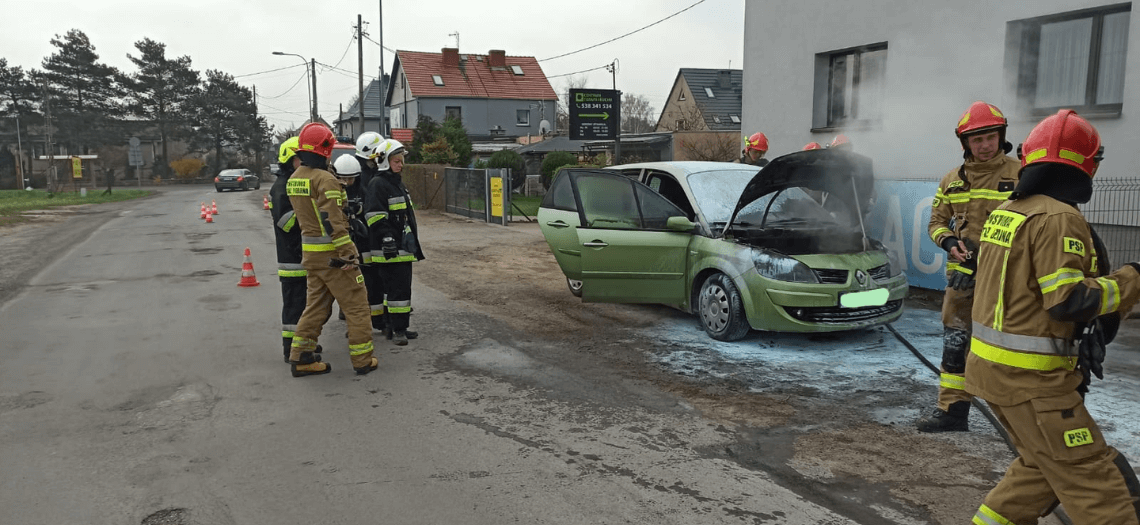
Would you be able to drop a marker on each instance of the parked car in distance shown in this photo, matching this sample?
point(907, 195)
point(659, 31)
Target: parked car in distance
point(781, 248)
point(236, 179)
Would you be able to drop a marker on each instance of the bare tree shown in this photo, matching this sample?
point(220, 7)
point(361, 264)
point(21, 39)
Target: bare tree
point(562, 114)
point(684, 118)
point(636, 114)
point(713, 146)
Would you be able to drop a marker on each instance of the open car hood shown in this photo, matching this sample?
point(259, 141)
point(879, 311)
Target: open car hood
point(843, 174)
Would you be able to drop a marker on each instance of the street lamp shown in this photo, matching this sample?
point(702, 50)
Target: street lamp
point(308, 84)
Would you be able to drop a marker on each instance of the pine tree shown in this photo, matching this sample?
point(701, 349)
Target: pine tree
point(17, 99)
point(161, 91)
point(86, 95)
point(225, 117)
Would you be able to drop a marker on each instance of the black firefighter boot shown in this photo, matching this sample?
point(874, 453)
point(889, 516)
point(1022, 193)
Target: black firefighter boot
point(954, 420)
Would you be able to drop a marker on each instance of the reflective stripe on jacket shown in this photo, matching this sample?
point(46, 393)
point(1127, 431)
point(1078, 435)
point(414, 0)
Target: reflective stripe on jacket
point(1035, 252)
point(960, 207)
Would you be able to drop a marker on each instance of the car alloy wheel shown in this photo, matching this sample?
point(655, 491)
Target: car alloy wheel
point(721, 309)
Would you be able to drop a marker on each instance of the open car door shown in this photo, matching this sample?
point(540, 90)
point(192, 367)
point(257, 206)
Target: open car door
point(628, 253)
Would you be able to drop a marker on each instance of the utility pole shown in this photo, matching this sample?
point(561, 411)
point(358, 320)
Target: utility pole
point(315, 114)
point(257, 134)
point(50, 146)
point(617, 138)
point(383, 85)
point(20, 149)
point(360, 71)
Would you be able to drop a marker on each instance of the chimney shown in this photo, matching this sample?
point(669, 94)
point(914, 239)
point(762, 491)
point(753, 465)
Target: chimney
point(497, 58)
point(451, 56)
point(724, 79)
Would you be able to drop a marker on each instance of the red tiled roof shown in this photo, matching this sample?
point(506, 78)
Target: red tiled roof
point(475, 78)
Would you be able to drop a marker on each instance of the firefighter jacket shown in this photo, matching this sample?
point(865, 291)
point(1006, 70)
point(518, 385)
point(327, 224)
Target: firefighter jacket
point(285, 230)
point(1037, 266)
point(388, 212)
point(966, 196)
point(318, 200)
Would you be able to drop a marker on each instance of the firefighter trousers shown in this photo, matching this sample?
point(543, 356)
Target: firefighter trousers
point(292, 306)
point(956, 323)
point(1063, 457)
point(346, 287)
point(397, 278)
point(373, 281)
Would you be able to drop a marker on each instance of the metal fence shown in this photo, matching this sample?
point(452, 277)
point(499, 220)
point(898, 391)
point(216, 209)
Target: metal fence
point(476, 193)
point(1114, 211)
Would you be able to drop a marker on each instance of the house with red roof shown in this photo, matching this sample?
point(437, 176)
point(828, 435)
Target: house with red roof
point(495, 95)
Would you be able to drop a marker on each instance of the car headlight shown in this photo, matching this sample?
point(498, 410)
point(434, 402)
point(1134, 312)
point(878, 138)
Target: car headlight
point(780, 267)
point(894, 264)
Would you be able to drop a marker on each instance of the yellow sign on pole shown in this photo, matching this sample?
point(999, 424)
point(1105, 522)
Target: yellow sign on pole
point(496, 196)
point(76, 168)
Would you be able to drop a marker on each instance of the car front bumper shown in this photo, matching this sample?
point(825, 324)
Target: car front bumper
point(800, 307)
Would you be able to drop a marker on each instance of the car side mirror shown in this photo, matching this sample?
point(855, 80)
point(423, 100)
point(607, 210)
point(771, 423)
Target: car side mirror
point(680, 224)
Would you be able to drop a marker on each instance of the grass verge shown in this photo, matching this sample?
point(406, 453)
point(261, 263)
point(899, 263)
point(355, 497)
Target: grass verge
point(13, 203)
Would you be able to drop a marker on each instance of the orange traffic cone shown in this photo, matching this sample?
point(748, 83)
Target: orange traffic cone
point(265, 202)
point(203, 211)
point(209, 217)
point(247, 276)
point(215, 205)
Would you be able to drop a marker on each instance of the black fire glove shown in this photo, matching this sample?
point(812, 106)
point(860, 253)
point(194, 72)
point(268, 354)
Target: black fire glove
point(1090, 357)
point(357, 229)
point(960, 280)
point(388, 248)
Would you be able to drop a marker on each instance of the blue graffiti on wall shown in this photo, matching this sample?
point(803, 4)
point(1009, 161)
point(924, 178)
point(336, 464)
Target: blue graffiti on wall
point(899, 219)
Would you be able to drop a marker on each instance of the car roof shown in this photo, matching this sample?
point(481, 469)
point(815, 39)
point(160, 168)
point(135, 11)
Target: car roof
point(686, 166)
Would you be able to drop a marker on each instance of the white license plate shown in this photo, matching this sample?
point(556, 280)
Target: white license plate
point(877, 297)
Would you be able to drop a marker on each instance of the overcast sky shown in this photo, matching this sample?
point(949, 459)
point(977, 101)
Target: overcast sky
point(239, 36)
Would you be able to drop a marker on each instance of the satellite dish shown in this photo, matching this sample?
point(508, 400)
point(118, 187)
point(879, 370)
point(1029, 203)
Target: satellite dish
point(544, 126)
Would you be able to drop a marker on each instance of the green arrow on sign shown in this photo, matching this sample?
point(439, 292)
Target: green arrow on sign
point(603, 116)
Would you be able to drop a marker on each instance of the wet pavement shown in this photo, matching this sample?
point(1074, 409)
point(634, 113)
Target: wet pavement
point(843, 365)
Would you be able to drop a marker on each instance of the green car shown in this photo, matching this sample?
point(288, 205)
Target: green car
point(780, 248)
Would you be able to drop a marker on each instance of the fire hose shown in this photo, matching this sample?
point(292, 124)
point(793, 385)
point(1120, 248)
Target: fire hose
point(982, 409)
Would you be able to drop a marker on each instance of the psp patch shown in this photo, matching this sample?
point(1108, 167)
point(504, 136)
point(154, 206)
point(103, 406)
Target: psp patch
point(1074, 246)
point(1078, 437)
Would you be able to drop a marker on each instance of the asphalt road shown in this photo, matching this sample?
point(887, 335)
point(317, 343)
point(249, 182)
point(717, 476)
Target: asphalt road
point(141, 385)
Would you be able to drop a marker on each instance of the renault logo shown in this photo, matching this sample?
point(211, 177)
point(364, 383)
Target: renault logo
point(861, 276)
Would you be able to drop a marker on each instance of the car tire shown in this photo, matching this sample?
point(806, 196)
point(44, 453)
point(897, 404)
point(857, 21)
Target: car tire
point(244, 187)
point(257, 186)
point(219, 190)
point(575, 287)
point(721, 309)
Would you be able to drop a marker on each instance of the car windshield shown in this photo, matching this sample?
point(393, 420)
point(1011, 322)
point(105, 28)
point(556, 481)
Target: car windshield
point(717, 192)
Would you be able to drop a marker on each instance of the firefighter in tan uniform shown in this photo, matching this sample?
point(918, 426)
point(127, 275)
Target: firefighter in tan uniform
point(1042, 315)
point(964, 200)
point(328, 256)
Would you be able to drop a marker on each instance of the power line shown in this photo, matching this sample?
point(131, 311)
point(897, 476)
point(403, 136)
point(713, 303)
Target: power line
point(264, 72)
point(386, 48)
point(299, 79)
point(351, 39)
point(625, 35)
point(577, 72)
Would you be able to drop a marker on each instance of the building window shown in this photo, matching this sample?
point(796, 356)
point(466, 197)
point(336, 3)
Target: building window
point(453, 112)
point(522, 117)
point(735, 119)
point(849, 86)
point(681, 95)
point(1071, 60)
point(437, 80)
point(517, 70)
point(709, 93)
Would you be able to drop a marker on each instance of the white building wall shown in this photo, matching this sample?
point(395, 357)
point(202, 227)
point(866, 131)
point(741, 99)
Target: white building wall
point(941, 57)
